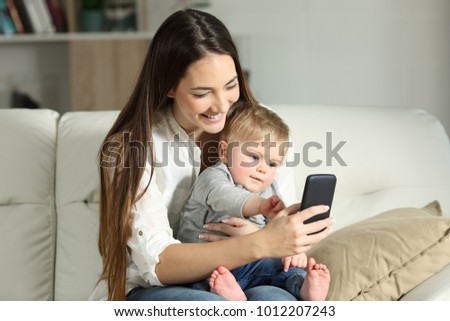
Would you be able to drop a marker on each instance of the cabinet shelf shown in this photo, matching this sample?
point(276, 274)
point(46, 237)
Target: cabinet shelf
point(77, 36)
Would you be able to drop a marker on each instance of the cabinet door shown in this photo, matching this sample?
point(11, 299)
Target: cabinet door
point(103, 72)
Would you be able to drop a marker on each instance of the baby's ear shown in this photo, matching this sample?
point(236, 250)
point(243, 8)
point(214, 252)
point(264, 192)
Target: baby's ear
point(223, 154)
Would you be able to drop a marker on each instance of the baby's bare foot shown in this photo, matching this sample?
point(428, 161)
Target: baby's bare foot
point(317, 282)
point(223, 283)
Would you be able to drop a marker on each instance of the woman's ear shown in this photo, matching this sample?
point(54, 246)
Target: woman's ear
point(223, 145)
point(171, 93)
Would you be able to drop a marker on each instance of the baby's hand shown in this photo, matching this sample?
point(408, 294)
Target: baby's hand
point(299, 260)
point(271, 206)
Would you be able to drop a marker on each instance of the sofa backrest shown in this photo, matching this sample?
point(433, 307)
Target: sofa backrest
point(27, 208)
point(383, 157)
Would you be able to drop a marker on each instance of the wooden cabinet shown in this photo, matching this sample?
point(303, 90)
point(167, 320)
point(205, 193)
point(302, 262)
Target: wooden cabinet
point(103, 73)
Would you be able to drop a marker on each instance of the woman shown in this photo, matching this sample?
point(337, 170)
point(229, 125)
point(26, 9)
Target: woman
point(150, 158)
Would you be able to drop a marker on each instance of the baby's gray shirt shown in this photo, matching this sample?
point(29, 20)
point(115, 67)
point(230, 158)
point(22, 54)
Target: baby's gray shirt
point(215, 197)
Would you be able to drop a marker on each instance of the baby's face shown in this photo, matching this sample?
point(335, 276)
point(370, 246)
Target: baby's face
point(254, 164)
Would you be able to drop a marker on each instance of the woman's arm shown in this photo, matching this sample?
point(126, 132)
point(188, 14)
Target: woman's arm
point(285, 235)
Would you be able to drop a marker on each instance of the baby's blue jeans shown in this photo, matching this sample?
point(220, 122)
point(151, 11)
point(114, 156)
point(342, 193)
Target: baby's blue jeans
point(270, 272)
point(267, 272)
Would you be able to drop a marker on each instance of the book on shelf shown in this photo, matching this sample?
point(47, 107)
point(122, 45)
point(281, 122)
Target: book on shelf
point(32, 16)
point(36, 23)
point(6, 23)
point(14, 13)
point(57, 14)
point(44, 16)
point(51, 16)
point(24, 17)
point(71, 9)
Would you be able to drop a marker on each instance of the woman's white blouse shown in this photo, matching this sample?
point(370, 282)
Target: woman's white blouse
point(156, 214)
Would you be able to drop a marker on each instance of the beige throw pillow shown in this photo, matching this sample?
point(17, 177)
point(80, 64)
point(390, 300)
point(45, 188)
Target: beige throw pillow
point(385, 256)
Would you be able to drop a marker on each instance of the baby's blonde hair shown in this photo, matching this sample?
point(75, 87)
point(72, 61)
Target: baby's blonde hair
point(249, 122)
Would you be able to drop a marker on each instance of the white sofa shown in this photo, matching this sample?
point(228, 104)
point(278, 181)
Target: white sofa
point(49, 185)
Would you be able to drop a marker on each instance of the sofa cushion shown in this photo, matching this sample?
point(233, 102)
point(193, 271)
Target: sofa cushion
point(384, 257)
point(27, 211)
point(77, 178)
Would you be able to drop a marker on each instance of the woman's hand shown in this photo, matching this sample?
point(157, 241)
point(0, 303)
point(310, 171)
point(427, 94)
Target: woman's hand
point(287, 235)
point(233, 226)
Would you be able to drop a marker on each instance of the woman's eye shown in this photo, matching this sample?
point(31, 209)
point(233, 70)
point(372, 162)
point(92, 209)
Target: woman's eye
point(273, 164)
point(197, 96)
point(254, 157)
point(232, 86)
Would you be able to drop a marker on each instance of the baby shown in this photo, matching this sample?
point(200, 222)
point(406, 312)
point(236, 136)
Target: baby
point(253, 145)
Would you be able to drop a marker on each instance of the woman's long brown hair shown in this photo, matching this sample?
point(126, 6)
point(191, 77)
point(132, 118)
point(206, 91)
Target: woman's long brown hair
point(183, 38)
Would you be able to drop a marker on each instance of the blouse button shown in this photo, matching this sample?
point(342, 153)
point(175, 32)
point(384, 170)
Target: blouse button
point(141, 233)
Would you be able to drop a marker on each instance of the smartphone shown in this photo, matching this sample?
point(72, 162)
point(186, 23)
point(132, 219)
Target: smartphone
point(319, 190)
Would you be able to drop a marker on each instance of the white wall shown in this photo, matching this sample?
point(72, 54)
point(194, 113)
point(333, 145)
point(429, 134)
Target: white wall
point(341, 52)
point(39, 69)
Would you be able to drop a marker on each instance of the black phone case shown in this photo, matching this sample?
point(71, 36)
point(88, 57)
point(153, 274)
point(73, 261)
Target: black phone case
point(319, 190)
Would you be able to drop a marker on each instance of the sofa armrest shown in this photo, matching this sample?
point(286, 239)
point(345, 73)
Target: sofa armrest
point(436, 288)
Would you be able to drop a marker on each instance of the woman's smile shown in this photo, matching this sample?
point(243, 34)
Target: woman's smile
point(213, 117)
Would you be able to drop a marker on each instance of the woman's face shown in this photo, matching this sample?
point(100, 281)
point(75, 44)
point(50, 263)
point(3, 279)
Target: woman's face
point(205, 94)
